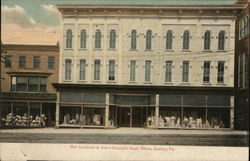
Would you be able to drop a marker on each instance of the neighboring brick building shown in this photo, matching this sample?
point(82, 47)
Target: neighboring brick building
point(27, 75)
point(242, 59)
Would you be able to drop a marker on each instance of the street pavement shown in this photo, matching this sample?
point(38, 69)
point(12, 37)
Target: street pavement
point(138, 136)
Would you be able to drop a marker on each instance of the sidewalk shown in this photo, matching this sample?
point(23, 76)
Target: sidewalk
point(135, 131)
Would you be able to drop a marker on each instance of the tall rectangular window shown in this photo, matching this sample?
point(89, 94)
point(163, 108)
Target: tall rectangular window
point(36, 62)
point(22, 61)
point(111, 69)
point(244, 25)
point(82, 74)
point(97, 68)
point(7, 61)
point(148, 71)
point(132, 70)
point(242, 71)
point(206, 72)
point(168, 74)
point(68, 63)
point(185, 71)
point(22, 84)
point(51, 62)
point(220, 76)
point(43, 84)
point(33, 84)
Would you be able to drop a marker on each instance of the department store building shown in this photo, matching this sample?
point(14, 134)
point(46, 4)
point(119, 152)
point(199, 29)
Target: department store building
point(153, 66)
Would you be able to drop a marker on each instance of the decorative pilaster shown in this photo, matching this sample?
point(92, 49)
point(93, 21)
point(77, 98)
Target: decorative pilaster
point(232, 112)
point(107, 111)
point(57, 108)
point(157, 113)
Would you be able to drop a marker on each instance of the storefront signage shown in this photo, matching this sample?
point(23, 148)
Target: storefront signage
point(132, 100)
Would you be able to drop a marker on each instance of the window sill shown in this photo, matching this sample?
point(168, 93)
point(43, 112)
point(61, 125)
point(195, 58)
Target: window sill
point(169, 50)
point(147, 82)
point(112, 49)
point(185, 83)
point(67, 80)
point(109, 81)
point(221, 51)
point(132, 82)
point(96, 81)
point(221, 84)
point(97, 49)
point(68, 48)
point(82, 81)
point(186, 50)
point(207, 84)
point(133, 50)
point(168, 83)
point(207, 51)
point(83, 49)
point(148, 50)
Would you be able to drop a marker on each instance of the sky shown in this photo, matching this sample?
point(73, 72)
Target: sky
point(37, 21)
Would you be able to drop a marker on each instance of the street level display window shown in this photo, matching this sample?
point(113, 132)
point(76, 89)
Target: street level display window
point(70, 115)
point(112, 116)
point(170, 117)
point(218, 118)
point(151, 119)
point(194, 117)
point(20, 108)
point(35, 109)
point(5, 109)
point(93, 116)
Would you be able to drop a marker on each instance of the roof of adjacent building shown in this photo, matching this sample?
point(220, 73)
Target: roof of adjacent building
point(22, 47)
point(152, 2)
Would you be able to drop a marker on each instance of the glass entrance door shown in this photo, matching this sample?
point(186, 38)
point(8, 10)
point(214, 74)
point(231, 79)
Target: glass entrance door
point(124, 116)
point(138, 116)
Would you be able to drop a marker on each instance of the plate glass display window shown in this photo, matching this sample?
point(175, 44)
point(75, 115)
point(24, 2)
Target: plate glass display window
point(151, 119)
point(170, 117)
point(93, 116)
point(194, 117)
point(70, 115)
point(218, 118)
point(5, 109)
point(20, 108)
point(112, 116)
point(35, 109)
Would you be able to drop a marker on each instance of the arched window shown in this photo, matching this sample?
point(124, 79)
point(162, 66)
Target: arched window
point(98, 36)
point(186, 40)
point(148, 40)
point(133, 39)
point(69, 38)
point(221, 41)
point(83, 40)
point(169, 40)
point(112, 39)
point(207, 40)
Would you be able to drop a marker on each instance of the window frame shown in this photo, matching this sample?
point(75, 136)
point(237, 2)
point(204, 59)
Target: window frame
point(148, 65)
point(69, 39)
point(132, 76)
point(51, 62)
point(206, 71)
point(22, 62)
point(98, 39)
point(149, 34)
point(7, 63)
point(68, 70)
point(221, 73)
point(186, 40)
point(221, 40)
point(112, 39)
point(83, 39)
point(207, 40)
point(111, 74)
point(185, 71)
point(36, 62)
point(97, 70)
point(82, 69)
point(133, 45)
point(244, 27)
point(168, 71)
point(169, 40)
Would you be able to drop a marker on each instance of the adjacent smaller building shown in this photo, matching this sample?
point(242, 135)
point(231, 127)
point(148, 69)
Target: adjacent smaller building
point(27, 73)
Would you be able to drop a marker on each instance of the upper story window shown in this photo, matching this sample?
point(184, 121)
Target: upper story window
point(206, 72)
point(111, 70)
point(185, 71)
point(68, 64)
point(221, 40)
point(149, 40)
point(28, 84)
point(82, 70)
point(51, 62)
point(98, 39)
point(243, 70)
point(132, 70)
point(112, 39)
point(186, 38)
point(83, 39)
point(220, 75)
point(207, 40)
point(244, 27)
point(69, 36)
point(148, 71)
point(133, 39)
point(36, 62)
point(169, 39)
point(22, 61)
point(97, 69)
point(168, 74)
point(7, 61)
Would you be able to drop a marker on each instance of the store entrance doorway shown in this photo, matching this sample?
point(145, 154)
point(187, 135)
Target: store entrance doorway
point(131, 116)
